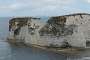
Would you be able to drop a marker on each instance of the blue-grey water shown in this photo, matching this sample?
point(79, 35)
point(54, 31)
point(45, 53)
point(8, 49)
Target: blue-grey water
point(8, 52)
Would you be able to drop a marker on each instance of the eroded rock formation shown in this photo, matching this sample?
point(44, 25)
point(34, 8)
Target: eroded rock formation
point(72, 30)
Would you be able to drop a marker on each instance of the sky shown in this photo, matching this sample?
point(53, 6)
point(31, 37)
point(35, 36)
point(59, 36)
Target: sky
point(9, 8)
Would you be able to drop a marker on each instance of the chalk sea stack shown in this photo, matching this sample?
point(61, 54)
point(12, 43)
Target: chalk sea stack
point(68, 30)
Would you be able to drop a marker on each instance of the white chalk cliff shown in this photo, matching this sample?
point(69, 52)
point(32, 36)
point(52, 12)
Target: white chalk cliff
point(73, 29)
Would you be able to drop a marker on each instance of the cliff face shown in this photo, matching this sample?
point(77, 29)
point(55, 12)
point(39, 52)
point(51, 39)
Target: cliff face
point(57, 27)
point(71, 29)
point(23, 29)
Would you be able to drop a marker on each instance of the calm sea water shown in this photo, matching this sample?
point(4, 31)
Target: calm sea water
point(8, 52)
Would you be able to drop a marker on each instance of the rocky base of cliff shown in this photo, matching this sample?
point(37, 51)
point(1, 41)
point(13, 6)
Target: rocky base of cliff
point(58, 50)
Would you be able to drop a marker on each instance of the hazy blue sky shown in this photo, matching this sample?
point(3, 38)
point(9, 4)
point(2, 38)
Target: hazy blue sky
point(42, 7)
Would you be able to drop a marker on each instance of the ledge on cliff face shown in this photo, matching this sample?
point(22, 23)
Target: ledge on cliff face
point(74, 14)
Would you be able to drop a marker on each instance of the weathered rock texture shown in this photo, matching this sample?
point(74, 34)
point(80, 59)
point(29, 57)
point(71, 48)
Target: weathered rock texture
point(72, 30)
